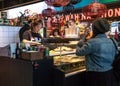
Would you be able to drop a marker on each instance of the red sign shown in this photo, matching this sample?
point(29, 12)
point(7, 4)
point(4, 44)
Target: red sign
point(80, 16)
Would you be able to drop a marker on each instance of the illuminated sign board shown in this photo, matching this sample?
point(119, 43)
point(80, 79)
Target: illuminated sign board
point(80, 16)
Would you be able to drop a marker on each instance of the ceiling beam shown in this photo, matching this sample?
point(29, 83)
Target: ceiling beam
point(9, 4)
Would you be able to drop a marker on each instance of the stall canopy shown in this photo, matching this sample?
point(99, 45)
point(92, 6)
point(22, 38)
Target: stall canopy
point(8, 4)
point(83, 3)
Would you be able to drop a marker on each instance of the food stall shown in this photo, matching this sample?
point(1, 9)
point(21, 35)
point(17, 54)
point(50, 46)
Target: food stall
point(69, 69)
point(53, 63)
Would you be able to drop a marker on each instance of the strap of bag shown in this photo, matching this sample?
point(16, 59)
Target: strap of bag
point(113, 40)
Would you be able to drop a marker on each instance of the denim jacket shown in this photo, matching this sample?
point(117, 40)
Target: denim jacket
point(99, 53)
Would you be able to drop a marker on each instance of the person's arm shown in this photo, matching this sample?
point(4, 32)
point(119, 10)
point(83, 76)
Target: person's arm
point(30, 42)
point(27, 39)
point(84, 49)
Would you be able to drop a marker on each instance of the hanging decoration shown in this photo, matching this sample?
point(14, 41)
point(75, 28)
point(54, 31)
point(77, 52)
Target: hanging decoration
point(94, 10)
point(75, 1)
point(48, 12)
point(55, 22)
point(68, 8)
point(57, 3)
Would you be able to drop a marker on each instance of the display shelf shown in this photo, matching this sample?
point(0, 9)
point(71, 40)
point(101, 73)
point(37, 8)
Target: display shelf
point(70, 63)
point(67, 66)
point(75, 72)
point(58, 40)
point(63, 53)
point(31, 51)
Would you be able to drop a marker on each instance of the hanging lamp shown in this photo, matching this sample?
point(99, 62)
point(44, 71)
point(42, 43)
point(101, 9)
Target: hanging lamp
point(48, 12)
point(57, 3)
point(94, 10)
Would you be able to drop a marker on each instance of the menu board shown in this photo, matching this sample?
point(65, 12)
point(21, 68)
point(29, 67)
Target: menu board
point(115, 27)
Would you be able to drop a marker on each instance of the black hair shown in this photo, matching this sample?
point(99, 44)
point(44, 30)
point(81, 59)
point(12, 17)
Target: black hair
point(56, 30)
point(34, 24)
point(100, 26)
point(29, 21)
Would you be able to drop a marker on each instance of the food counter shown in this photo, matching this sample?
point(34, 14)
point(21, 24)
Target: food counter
point(19, 72)
point(66, 65)
point(69, 69)
point(62, 53)
point(61, 68)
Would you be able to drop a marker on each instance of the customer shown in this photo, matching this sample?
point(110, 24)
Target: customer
point(99, 54)
point(33, 36)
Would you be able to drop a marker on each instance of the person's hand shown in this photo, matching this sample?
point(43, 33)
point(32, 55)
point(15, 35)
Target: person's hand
point(85, 34)
point(90, 35)
point(80, 43)
point(30, 42)
point(87, 31)
point(34, 43)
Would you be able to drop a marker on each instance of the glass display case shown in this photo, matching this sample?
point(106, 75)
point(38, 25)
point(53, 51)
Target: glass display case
point(69, 63)
point(63, 52)
point(69, 69)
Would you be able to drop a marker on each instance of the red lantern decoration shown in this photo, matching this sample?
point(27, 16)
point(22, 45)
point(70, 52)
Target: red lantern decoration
point(57, 3)
point(48, 12)
point(55, 22)
point(94, 10)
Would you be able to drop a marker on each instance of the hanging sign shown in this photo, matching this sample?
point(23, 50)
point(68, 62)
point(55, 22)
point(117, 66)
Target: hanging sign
point(80, 16)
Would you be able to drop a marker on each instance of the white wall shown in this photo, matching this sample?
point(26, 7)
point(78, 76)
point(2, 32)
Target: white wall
point(9, 34)
point(34, 8)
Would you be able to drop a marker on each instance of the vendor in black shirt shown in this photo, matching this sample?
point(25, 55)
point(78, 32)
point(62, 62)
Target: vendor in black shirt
point(32, 36)
point(36, 36)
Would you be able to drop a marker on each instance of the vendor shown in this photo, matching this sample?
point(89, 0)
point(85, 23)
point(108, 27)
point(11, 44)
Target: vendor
point(32, 36)
point(56, 33)
point(73, 30)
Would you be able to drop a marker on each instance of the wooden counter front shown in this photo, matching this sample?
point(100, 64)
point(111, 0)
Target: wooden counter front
point(32, 55)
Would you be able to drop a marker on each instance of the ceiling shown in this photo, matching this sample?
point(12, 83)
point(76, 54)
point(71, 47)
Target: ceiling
point(8, 4)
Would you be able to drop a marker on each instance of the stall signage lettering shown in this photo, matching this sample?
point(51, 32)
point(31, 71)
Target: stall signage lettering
point(80, 16)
